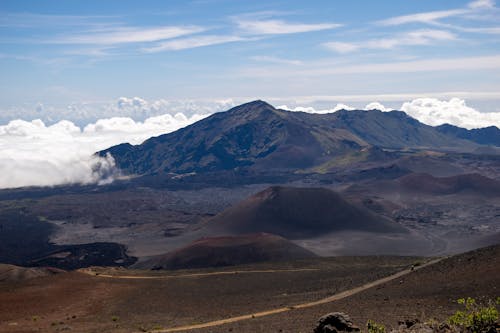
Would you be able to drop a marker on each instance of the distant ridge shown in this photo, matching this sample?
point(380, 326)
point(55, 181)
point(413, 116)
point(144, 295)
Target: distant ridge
point(426, 183)
point(485, 136)
point(258, 137)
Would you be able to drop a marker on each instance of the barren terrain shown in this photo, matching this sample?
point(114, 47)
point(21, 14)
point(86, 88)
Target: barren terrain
point(257, 298)
point(93, 303)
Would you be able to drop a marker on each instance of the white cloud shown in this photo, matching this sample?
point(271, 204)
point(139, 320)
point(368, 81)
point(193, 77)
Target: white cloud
point(136, 108)
point(321, 99)
point(433, 18)
point(482, 4)
point(278, 27)
point(194, 42)
point(427, 17)
point(309, 109)
point(430, 111)
point(417, 37)
point(490, 30)
point(135, 102)
point(121, 35)
point(435, 112)
point(342, 47)
point(427, 65)
point(276, 60)
point(377, 106)
point(36, 154)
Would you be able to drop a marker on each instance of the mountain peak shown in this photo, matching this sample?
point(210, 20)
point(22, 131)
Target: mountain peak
point(259, 137)
point(253, 106)
point(257, 103)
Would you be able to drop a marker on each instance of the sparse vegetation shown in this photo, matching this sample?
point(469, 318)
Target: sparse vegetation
point(476, 317)
point(115, 318)
point(373, 327)
point(417, 263)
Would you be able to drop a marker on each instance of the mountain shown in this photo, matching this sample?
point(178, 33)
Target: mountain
point(229, 251)
point(485, 136)
point(11, 273)
point(394, 129)
point(297, 213)
point(253, 134)
point(425, 183)
point(258, 137)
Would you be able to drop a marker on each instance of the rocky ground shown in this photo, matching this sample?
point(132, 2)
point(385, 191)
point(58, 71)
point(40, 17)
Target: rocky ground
point(80, 302)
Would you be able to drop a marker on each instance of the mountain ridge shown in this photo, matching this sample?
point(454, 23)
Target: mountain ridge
point(258, 136)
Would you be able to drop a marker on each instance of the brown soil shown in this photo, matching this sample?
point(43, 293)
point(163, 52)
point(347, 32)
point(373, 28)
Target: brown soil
point(11, 273)
point(164, 300)
point(229, 251)
point(429, 293)
point(426, 183)
point(298, 213)
point(87, 303)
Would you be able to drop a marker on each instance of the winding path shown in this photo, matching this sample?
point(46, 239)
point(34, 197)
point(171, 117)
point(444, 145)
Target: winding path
point(229, 320)
point(329, 299)
point(162, 277)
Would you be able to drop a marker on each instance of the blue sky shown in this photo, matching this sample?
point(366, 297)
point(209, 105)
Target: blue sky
point(59, 53)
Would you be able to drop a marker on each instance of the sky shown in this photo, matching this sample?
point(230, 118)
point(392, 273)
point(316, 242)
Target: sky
point(78, 76)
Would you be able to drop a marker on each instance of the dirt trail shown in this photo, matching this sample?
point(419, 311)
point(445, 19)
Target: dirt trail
point(161, 277)
point(329, 299)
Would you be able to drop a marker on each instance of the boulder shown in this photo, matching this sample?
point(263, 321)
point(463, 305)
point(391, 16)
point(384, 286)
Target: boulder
point(335, 322)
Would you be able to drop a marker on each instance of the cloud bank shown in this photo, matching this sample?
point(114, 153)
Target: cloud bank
point(434, 112)
point(34, 154)
point(83, 113)
point(430, 111)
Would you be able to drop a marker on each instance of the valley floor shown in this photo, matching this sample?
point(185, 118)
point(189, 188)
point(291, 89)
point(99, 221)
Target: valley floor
point(80, 302)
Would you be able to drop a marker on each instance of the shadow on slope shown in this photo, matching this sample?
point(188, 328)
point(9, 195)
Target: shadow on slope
point(228, 251)
point(298, 213)
point(426, 183)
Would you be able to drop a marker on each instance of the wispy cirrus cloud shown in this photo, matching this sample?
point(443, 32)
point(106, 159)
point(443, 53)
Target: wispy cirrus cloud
point(37, 20)
point(122, 35)
point(427, 17)
point(276, 60)
point(414, 66)
point(482, 4)
point(417, 37)
point(194, 42)
point(433, 17)
point(279, 27)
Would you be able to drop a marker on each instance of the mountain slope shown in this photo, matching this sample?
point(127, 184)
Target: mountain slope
point(297, 213)
point(394, 129)
point(11, 273)
point(259, 137)
point(229, 251)
point(476, 183)
point(485, 136)
point(253, 134)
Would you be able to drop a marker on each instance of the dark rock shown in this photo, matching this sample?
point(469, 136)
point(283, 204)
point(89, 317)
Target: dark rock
point(335, 322)
point(408, 323)
point(420, 328)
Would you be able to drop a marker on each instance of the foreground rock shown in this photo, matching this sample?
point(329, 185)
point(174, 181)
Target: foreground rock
point(335, 322)
point(340, 322)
